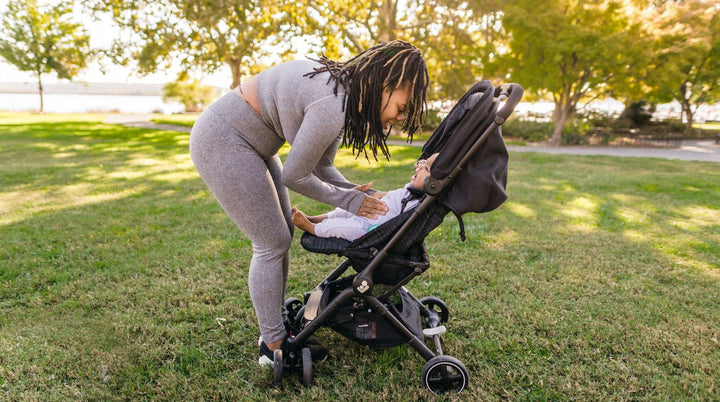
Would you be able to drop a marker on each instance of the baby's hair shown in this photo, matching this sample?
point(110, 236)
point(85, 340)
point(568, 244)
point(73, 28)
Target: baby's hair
point(364, 77)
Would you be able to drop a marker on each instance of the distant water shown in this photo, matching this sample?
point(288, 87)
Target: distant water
point(73, 103)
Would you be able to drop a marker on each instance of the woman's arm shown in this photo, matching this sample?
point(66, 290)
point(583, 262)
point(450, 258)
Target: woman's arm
point(319, 131)
point(326, 171)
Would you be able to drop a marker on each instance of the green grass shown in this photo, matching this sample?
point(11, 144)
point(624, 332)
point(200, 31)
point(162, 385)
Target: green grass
point(185, 120)
point(122, 279)
point(708, 126)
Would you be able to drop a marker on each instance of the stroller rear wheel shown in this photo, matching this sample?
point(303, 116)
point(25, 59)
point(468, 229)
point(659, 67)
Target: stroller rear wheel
point(443, 374)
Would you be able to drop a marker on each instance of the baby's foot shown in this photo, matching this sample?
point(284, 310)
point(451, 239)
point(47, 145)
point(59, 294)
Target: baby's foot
point(301, 220)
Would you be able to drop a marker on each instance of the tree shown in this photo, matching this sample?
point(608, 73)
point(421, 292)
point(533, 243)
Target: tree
point(202, 35)
point(686, 62)
point(569, 49)
point(451, 34)
point(191, 93)
point(247, 34)
point(43, 40)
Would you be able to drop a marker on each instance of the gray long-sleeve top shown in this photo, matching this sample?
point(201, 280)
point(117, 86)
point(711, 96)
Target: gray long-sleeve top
point(305, 112)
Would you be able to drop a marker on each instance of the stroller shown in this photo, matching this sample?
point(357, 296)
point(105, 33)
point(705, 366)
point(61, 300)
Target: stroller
point(371, 305)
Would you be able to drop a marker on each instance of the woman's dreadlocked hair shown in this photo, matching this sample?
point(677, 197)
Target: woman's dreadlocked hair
point(388, 65)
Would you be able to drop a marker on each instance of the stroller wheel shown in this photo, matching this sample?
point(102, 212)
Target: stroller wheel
point(292, 306)
point(438, 306)
point(277, 367)
point(443, 374)
point(307, 370)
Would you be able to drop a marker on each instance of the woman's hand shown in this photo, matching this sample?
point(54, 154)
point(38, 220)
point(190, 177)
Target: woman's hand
point(372, 207)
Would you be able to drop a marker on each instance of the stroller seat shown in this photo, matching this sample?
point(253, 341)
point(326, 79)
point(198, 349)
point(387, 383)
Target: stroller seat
point(392, 270)
point(371, 305)
point(407, 258)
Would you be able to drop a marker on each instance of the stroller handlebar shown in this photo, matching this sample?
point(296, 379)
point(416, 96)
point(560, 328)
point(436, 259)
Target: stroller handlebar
point(513, 93)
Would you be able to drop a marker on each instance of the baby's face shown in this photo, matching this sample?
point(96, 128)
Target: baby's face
point(422, 170)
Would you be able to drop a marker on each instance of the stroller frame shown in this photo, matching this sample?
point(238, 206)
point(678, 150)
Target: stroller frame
point(441, 373)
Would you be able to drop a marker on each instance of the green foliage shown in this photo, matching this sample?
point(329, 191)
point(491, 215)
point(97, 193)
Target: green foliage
point(201, 35)
point(433, 119)
point(686, 62)
point(249, 35)
point(43, 39)
point(451, 35)
point(569, 49)
point(574, 133)
point(191, 93)
point(638, 113)
point(528, 130)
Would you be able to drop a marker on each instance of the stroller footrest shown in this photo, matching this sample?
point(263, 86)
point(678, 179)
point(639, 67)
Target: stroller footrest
point(430, 332)
point(312, 307)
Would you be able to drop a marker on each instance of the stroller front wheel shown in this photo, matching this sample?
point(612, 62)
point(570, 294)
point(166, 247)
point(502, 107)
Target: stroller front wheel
point(277, 367)
point(307, 370)
point(443, 374)
point(438, 306)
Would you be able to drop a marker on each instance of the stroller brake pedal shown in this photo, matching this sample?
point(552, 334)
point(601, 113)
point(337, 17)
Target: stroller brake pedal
point(430, 332)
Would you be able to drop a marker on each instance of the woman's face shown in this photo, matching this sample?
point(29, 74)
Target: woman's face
point(394, 106)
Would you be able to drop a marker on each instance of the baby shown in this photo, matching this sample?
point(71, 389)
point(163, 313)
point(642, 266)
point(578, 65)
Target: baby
point(342, 224)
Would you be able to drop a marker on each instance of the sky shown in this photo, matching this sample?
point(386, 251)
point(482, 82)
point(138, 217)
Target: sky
point(101, 37)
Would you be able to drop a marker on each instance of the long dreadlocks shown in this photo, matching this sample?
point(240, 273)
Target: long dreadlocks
point(386, 66)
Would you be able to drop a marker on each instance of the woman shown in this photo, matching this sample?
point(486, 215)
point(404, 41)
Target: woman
point(313, 105)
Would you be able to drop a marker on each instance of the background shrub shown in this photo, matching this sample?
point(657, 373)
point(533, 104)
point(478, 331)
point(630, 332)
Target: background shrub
point(527, 130)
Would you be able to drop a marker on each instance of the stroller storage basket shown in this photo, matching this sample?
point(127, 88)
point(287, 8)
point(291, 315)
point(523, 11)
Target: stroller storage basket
point(357, 321)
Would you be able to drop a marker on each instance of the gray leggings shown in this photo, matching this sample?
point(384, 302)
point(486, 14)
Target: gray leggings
point(236, 156)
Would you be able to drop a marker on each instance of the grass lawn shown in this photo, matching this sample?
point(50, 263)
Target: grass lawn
point(122, 279)
point(709, 126)
point(185, 120)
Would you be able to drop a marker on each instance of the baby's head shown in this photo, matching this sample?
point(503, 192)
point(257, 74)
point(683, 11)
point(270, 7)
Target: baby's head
point(422, 171)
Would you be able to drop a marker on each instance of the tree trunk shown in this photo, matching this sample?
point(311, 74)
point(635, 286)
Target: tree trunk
point(689, 116)
point(686, 107)
point(561, 114)
point(40, 90)
point(234, 64)
point(387, 21)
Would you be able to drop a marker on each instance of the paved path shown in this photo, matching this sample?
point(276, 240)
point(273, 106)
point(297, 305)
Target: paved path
point(689, 150)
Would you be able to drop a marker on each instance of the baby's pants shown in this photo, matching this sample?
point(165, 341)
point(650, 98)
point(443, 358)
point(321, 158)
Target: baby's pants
point(343, 225)
point(236, 156)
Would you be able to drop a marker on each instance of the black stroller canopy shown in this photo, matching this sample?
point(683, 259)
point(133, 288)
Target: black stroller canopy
point(480, 186)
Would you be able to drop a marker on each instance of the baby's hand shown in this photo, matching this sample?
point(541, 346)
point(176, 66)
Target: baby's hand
point(363, 187)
